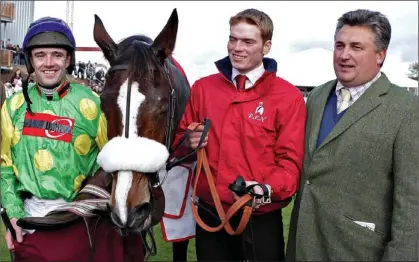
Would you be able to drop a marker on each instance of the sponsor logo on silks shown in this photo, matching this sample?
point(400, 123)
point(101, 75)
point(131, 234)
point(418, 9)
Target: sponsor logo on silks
point(258, 114)
point(49, 126)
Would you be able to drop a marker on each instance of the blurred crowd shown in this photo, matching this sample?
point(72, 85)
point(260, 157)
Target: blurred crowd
point(94, 73)
point(15, 83)
point(18, 56)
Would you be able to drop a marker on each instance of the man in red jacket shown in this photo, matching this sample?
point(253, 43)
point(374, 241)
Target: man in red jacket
point(257, 132)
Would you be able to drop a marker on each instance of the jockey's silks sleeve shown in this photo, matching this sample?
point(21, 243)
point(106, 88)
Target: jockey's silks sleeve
point(9, 196)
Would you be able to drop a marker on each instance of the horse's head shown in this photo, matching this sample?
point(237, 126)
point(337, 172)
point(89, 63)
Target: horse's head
point(138, 102)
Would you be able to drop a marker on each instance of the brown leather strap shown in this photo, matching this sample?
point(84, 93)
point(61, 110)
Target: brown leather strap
point(244, 202)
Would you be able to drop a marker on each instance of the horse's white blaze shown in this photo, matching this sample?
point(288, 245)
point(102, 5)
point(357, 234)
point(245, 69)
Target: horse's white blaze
point(121, 194)
point(135, 101)
point(123, 184)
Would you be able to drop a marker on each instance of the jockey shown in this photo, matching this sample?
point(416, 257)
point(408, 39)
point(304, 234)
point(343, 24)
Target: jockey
point(52, 132)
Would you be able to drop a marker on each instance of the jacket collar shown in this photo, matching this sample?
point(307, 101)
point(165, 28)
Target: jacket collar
point(59, 93)
point(225, 67)
point(367, 102)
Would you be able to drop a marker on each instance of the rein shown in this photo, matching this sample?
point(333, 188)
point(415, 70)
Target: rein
point(245, 202)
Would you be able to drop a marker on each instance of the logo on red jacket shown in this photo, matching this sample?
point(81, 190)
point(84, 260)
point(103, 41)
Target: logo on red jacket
point(258, 114)
point(50, 126)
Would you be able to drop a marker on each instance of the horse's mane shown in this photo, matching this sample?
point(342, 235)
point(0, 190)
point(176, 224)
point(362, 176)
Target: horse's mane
point(136, 53)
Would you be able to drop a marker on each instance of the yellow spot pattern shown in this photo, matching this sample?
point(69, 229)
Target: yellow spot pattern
point(48, 112)
point(77, 182)
point(82, 144)
point(17, 101)
point(43, 160)
point(88, 109)
point(15, 170)
point(16, 136)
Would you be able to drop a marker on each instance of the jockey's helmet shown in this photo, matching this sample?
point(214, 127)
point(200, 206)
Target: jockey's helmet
point(49, 32)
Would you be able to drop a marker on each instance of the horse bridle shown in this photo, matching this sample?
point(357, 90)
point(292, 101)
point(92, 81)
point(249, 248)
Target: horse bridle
point(169, 122)
point(154, 179)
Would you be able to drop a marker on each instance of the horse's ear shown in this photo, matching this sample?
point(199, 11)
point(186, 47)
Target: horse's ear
point(165, 42)
point(103, 40)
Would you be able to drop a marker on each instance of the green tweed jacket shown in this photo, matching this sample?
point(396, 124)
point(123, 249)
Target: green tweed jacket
point(358, 195)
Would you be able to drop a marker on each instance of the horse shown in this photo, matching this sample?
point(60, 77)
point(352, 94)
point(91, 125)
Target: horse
point(143, 101)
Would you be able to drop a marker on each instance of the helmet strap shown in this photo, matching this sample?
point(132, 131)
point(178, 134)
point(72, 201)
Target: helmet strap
point(25, 83)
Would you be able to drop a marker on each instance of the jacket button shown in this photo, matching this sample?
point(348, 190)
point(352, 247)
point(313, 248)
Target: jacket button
point(308, 182)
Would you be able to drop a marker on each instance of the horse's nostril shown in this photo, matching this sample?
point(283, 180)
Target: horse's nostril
point(138, 215)
point(142, 211)
point(114, 214)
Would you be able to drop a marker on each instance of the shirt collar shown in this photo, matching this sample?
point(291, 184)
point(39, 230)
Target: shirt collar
point(252, 76)
point(355, 89)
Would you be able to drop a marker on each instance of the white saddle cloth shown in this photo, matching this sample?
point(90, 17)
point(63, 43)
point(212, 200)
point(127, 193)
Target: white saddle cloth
point(178, 222)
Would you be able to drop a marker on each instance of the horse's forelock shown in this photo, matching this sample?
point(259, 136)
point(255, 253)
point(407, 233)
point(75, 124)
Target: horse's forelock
point(136, 53)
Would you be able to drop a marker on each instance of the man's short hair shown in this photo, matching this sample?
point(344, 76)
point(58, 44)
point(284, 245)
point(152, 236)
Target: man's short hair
point(257, 18)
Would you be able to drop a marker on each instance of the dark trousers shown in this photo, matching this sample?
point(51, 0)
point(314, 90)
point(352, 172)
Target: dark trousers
point(180, 251)
point(263, 239)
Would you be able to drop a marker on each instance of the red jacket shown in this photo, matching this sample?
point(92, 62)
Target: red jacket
point(258, 134)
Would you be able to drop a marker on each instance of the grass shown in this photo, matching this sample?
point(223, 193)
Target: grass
point(164, 249)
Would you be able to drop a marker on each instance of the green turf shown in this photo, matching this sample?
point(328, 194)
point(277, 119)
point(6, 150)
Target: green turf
point(164, 249)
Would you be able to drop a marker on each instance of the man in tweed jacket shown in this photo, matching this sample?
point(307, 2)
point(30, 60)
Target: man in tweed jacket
point(358, 196)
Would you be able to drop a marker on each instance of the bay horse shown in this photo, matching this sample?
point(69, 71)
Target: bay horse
point(143, 101)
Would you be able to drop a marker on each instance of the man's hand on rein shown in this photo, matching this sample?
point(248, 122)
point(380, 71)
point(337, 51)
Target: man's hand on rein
point(195, 137)
point(257, 202)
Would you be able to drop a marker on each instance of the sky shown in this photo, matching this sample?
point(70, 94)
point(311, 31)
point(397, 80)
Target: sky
point(203, 27)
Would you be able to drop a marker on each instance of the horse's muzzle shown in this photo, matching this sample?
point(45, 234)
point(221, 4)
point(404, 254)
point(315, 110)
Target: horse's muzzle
point(138, 218)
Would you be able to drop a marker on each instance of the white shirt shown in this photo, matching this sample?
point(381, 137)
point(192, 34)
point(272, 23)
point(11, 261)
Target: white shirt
point(252, 76)
point(35, 207)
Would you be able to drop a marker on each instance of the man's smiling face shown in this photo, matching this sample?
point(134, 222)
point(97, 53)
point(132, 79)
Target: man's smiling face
point(50, 65)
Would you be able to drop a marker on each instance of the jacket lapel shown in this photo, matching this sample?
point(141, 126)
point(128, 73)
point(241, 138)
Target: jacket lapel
point(318, 108)
point(367, 102)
